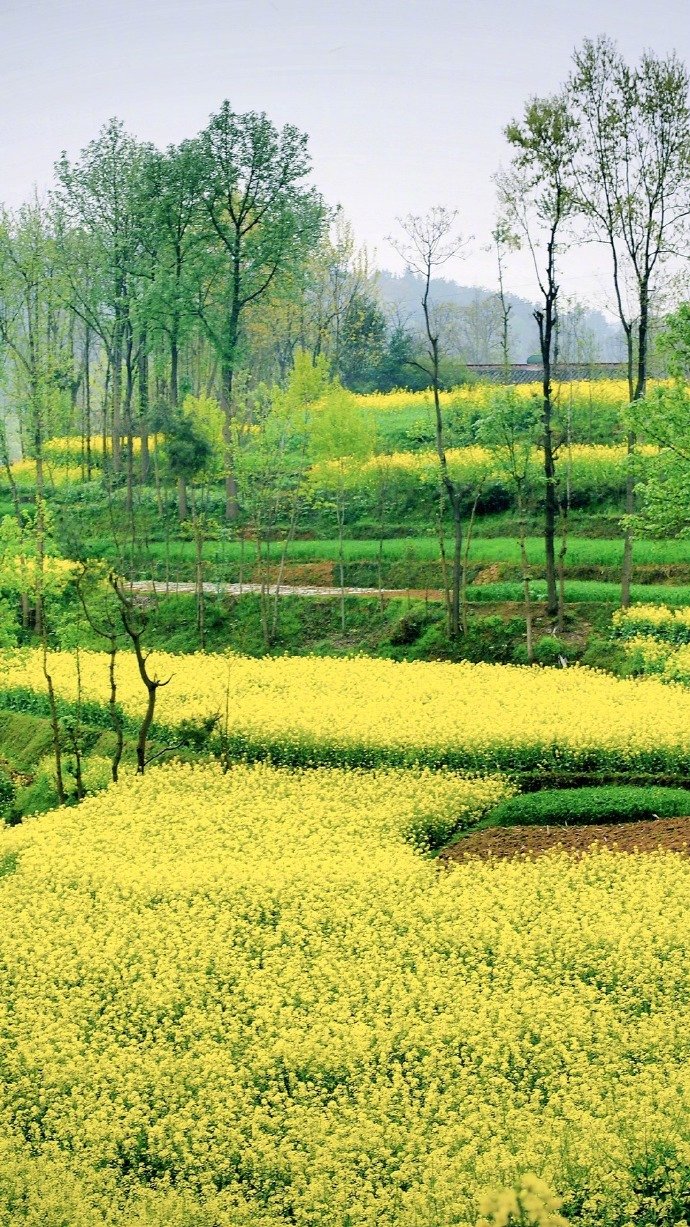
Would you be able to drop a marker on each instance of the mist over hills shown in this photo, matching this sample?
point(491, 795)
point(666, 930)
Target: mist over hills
point(471, 321)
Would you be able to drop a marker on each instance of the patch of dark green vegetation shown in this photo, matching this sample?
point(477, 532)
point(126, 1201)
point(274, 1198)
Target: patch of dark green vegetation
point(590, 806)
point(8, 864)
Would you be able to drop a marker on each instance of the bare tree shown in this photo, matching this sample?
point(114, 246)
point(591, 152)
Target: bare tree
point(427, 244)
point(104, 625)
point(503, 242)
point(134, 626)
point(536, 199)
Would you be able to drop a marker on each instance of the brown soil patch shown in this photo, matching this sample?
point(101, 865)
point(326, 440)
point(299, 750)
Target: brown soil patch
point(669, 834)
point(296, 574)
point(489, 575)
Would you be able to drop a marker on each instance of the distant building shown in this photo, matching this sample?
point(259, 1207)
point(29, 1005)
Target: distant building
point(531, 372)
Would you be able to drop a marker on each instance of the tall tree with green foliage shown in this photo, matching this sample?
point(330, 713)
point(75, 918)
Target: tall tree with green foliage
point(631, 176)
point(100, 197)
point(32, 331)
point(260, 218)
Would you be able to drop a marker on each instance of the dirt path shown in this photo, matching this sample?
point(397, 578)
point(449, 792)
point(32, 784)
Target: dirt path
point(670, 834)
point(150, 585)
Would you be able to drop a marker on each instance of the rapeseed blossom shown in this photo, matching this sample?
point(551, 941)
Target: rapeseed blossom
point(361, 711)
point(605, 392)
point(244, 999)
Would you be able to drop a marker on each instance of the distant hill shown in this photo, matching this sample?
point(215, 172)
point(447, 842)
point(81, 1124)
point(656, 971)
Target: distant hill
point(472, 322)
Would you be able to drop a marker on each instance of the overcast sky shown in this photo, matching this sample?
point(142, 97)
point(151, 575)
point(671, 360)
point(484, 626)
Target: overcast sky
point(404, 102)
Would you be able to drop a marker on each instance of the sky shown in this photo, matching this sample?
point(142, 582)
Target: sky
point(404, 102)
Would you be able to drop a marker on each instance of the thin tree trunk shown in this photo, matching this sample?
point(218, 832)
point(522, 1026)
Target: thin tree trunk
point(182, 504)
point(524, 562)
point(87, 400)
point(456, 623)
point(144, 458)
point(341, 556)
point(465, 561)
point(444, 560)
point(636, 394)
point(287, 542)
point(54, 720)
point(115, 717)
point(117, 402)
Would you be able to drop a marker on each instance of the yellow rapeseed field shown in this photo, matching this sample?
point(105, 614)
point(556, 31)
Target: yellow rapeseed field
point(590, 466)
point(242, 1000)
point(364, 711)
point(612, 392)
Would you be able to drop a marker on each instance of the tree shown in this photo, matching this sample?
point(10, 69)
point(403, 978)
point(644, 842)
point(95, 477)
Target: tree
point(101, 611)
point(664, 417)
point(504, 242)
point(399, 365)
point(430, 242)
point(631, 174)
point(134, 621)
point(536, 200)
point(341, 436)
point(101, 197)
point(510, 428)
point(272, 469)
point(190, 453)
point(259, 218)
point(30, 329)
point(175, 246)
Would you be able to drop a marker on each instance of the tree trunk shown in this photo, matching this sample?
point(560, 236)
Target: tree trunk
point(129, 426)
point(341, 554)
point(182, 505)
point(455, 620)
point(637, 393)
point(115, 717)
point(545, 323)
point(228, 442)
point(524, 563)
point(144, 459)
point(116, 424)
point(87, 400)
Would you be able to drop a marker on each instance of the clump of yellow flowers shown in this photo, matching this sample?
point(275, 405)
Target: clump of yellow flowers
point(364, 712)
point(243, 998)
point(656, 641)
point(531, 1202)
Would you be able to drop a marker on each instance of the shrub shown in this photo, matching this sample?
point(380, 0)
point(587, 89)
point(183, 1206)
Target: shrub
point(407, 629)
point(590, 806)
point(548, 650)
point(7, 793)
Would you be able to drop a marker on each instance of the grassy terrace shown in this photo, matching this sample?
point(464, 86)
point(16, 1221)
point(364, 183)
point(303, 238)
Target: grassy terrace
point(582, 551)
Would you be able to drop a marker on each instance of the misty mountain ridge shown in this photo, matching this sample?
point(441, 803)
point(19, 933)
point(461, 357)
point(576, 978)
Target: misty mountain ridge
point(470, 320)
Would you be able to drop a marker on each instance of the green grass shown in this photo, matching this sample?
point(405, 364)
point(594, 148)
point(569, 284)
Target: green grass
point(582, 591)
point(582, 551)
point(590, 806)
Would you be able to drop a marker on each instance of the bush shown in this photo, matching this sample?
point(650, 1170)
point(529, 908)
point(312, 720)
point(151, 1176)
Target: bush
point(7, 793)
point(548, 650)
point(591, 806)
point(491, 639)
point(602, 653)
point(407, 629)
